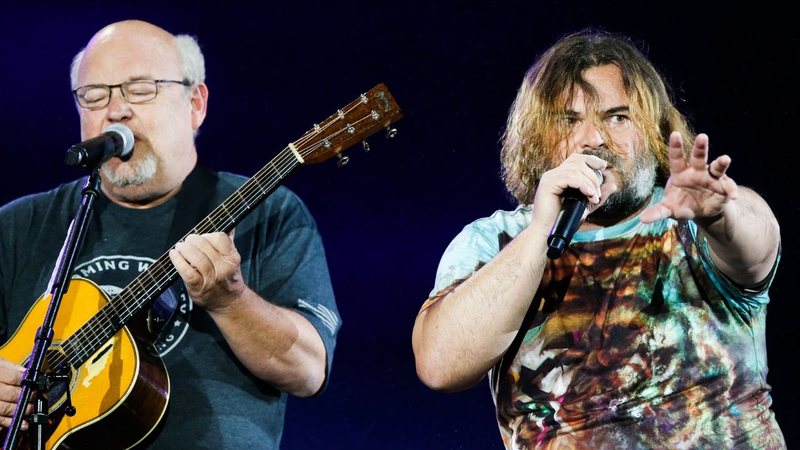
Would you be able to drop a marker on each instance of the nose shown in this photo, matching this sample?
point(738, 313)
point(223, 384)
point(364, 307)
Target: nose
point(588, 136)
point(118, 108)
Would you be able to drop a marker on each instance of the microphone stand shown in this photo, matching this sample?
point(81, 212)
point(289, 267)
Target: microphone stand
point(34, 378)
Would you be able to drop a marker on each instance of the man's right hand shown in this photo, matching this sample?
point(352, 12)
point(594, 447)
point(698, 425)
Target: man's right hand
point(10, 387)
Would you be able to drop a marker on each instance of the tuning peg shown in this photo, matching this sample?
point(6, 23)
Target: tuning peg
point(341, 160)
point(365, 146)
point(391, 132)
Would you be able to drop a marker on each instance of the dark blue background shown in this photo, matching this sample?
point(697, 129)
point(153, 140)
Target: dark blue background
point(274, 70)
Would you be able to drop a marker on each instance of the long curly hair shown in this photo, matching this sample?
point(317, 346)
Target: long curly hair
point(534, 127)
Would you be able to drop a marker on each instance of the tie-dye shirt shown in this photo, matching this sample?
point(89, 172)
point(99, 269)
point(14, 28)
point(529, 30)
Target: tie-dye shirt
point(634, 340)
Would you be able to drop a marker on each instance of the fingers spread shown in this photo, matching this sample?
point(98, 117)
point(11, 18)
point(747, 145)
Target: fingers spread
point(719, 166)
point(699, 156)
point(677, 159)
point(655, 213)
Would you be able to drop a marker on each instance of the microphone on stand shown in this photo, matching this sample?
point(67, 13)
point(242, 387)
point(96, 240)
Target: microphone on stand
point(573, 205)
point(116, 140)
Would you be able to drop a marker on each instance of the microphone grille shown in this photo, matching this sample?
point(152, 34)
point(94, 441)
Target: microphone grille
point(599, 175)
point(125, 133)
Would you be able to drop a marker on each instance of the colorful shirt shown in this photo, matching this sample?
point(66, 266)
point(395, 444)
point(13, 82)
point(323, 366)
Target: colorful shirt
point(634, 340)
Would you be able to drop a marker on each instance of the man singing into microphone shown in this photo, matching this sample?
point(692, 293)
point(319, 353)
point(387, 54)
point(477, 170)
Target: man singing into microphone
point(648, 330)
point(252, 318)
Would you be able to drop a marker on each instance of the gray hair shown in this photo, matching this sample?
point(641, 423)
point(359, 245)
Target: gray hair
point(193, 65)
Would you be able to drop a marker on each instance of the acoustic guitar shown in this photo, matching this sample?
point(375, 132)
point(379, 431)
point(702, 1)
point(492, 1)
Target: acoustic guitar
point(118, 386)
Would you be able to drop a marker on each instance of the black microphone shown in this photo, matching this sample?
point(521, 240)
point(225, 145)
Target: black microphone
point(573, 205)
point(116, 140)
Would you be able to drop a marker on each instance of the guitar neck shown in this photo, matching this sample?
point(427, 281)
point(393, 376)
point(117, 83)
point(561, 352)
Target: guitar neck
point(362, 117)
point(162, 273)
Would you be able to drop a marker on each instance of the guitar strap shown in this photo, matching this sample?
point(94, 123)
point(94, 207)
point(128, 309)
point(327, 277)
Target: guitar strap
point(193, 202)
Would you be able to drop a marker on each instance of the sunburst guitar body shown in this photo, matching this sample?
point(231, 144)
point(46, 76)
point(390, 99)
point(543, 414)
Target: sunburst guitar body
point(113, 380)
point(121, 387)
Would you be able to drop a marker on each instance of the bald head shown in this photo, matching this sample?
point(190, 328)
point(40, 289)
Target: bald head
point(147, 39)
point(131, 29)
point(128, 61)
point(134, 27)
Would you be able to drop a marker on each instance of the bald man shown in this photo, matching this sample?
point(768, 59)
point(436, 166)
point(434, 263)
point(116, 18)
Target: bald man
point(238, 334)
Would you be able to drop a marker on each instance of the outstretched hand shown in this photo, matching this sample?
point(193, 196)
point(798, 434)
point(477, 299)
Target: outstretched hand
point(695, 189)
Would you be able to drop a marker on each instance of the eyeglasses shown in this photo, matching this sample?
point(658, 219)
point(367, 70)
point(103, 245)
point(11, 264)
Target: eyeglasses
point(97, 96)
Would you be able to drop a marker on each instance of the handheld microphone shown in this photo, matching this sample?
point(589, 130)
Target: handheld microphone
point(116, 140)
point(573, 205)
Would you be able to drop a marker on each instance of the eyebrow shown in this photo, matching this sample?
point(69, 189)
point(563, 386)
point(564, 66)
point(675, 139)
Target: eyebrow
point(133, 78)
point(608, 112)
point(140, 78)
point(617, 110)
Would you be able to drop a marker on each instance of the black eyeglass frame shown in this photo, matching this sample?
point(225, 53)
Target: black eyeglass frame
point(122, 88)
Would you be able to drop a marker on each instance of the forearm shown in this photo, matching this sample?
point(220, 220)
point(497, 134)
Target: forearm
point(276, 344)
point(458, 338)
point(744, 239)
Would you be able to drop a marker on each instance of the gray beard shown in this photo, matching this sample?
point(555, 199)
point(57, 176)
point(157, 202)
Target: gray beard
point(143, 172)
point(636, 185)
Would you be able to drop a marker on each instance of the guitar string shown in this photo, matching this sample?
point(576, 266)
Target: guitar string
point(281, 159)
point(224, 211)
point(163, 275)
point(105, 324)
point(170, 272)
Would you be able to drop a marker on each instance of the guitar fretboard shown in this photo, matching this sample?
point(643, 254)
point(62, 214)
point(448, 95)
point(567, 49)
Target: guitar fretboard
point(162, 273)
point(357, 120)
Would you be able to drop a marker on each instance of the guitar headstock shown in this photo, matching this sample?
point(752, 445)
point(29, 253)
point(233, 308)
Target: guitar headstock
point(359, 119)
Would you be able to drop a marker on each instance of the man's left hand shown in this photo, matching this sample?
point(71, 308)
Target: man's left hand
point(210, 267)
point(695, 189)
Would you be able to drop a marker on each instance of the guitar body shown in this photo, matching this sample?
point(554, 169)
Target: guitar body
point(113, 380)
point(121, 387)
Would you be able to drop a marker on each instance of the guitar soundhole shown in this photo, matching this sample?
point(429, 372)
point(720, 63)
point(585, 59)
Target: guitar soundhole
point(102, 352)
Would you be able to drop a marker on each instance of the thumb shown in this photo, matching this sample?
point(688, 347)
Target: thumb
point(655, 213)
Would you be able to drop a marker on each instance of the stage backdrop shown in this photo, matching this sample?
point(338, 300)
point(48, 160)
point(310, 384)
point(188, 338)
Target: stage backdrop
point(386, 217)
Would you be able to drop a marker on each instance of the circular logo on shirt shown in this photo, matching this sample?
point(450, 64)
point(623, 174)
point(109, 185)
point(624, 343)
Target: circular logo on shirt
point(168, 314)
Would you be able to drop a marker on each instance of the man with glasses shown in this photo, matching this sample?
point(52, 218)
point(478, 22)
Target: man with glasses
point(252, 317)
point(97, 96)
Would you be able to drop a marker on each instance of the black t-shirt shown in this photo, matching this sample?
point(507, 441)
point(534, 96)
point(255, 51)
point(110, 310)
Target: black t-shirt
point(214, 401)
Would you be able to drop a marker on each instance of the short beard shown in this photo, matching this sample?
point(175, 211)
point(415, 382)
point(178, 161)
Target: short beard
point(140, 173)
point(636, 185)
